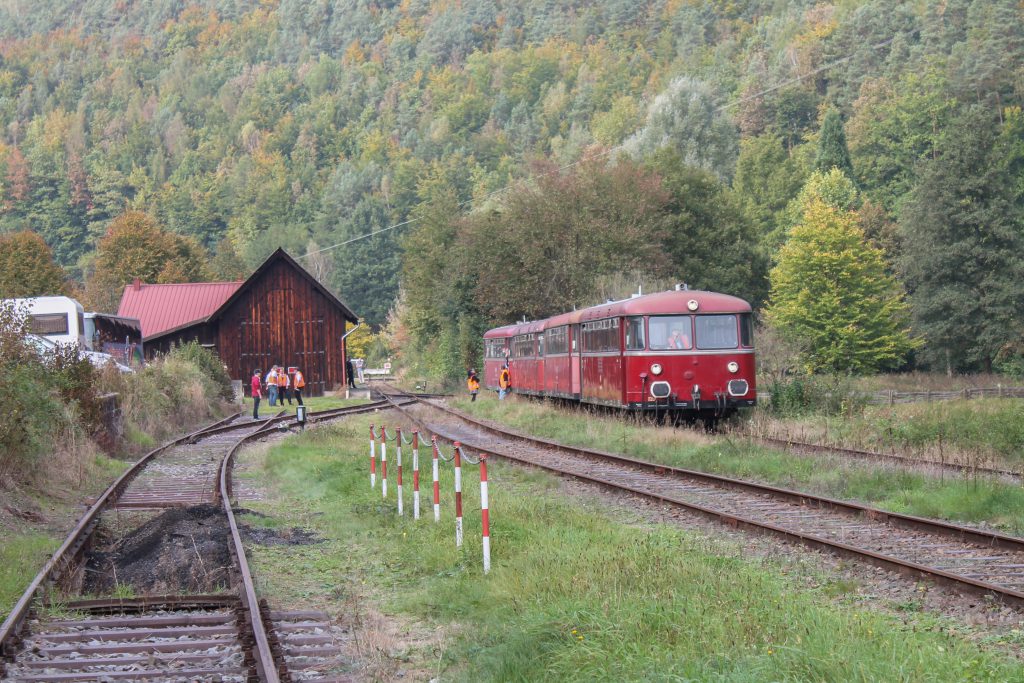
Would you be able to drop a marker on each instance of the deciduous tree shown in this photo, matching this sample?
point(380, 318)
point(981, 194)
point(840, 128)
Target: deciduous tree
point(27, 267)
point(830, 290)
point(135, 247)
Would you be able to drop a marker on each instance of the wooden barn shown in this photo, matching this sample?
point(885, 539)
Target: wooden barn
point(281, 316)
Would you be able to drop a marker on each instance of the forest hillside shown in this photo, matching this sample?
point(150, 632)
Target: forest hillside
point(707, 141)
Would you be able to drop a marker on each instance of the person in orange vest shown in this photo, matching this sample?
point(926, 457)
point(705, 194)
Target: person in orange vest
point(504, 382)
point(272, 386)
point(282, 386)
point(473, 383)
point(298, 385)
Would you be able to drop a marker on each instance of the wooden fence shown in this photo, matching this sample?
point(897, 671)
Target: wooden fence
point(892, 397)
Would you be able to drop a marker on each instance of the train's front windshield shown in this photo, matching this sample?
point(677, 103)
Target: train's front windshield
point(717, 332)
point(669, 332)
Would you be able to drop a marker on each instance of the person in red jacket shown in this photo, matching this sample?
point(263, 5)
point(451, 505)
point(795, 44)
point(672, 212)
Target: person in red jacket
point(257, 394)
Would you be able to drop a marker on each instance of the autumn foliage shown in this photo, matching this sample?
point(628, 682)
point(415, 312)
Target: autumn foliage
point(135, 247)
point(27, 267)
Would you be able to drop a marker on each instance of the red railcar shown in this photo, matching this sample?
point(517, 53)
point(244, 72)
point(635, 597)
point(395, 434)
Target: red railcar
point(685, 353)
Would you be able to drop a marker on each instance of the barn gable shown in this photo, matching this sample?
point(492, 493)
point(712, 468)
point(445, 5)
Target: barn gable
point(281, 315)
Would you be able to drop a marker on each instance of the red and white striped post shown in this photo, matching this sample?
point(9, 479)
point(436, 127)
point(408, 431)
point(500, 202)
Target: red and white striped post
point(384, 460)
point(458, 495)
point(485, 516)
point(373, 458)
point(398, 440)
point(437, 485)
point(415, 474)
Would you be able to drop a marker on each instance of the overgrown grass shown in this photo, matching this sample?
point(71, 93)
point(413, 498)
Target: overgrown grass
point(963, 498)
point(575, 595)
point(990, 429)
point(21, 556)
point(932, 381)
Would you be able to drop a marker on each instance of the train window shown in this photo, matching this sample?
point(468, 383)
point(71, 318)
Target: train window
point(717, 332)
point(522, 346)
point(556, 340)
point(48, 323)
point(635, 334)
point(670, 332)
point(540, 345)
point(746, 329)
point(495, 348)
point(601, 335)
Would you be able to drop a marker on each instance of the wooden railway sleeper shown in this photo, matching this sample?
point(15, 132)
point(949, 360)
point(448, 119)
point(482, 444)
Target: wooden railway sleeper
point(276, 648)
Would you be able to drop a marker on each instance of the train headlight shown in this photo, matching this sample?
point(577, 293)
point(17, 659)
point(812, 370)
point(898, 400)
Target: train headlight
point(655, 368)
point(733, 366)
point(692, 304)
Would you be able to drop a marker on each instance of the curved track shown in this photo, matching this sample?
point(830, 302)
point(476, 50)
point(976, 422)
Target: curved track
point(223, 637)
point(968, 559)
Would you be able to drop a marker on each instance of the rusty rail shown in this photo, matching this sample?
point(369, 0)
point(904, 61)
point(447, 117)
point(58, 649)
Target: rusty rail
point(967, 535)
point(64, 558)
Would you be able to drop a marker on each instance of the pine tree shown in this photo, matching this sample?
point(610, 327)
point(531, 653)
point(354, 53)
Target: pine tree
point(964, 247)
point(832, 149)
point(830, 290)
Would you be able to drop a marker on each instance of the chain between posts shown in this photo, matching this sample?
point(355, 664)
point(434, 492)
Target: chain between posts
point(458, 455)
point(465, 456)
point(441, 453)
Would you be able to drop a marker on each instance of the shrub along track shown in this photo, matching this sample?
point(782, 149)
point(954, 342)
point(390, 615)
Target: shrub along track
point(202, 631)
point(967, 559)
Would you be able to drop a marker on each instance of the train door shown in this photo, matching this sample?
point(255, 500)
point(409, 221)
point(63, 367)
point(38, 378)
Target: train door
point(575, 361)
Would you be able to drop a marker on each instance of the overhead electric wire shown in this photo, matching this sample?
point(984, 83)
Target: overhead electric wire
point(604, 153)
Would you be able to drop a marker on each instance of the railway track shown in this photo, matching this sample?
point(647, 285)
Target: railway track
point(803, 447)
point(967, 559)
point(227, 635)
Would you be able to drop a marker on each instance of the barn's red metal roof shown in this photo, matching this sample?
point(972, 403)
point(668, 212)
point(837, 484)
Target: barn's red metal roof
point(164, 307)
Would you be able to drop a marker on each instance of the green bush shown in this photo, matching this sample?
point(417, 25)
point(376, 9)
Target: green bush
point(210, 367)
point(814, 394)
point(34, 414)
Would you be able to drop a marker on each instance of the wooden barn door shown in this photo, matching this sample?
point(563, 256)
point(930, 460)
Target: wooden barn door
point(311, 354)
point(252, 348)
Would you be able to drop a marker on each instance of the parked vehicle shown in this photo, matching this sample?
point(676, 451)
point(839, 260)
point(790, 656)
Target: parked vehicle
point(59, 319)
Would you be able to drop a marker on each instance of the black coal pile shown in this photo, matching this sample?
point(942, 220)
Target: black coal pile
point(183, 550)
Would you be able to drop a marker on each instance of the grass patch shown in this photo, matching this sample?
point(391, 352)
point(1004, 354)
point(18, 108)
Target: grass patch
point(574, 594)
point(968, 499)
point(982, 426)
point(313, 403)
point(21, 556)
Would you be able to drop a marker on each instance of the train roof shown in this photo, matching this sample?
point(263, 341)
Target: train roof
point(660, 303)
point(500, 332)
point(668, 303)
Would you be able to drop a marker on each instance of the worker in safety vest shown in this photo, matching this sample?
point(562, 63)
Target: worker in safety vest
point(282, 385)
point(257, 393)
point(272, 386)
point(299, 383)
point(473, 384)
point(504, 382)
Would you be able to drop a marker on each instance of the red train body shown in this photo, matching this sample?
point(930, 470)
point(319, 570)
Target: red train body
point(686, 353)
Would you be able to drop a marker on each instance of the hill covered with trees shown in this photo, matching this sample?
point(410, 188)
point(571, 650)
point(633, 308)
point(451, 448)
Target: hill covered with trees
point(662, 140)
